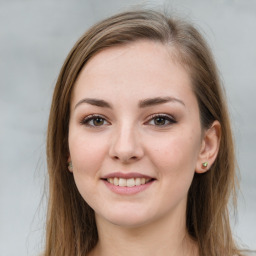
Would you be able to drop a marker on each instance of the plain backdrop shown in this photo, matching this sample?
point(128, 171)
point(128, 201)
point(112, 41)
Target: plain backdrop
point(36, 36)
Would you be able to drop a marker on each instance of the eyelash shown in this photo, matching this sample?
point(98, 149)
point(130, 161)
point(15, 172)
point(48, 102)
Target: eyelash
point(86, 121)
point(168, 118)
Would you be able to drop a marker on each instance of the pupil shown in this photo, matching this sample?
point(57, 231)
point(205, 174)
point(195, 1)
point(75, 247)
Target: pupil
point(98, 121)
point(160, 121)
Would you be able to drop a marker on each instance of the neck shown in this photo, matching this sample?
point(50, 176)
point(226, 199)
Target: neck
point(163, 237)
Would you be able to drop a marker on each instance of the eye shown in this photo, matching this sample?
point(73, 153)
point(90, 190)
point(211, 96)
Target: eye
point(94, 121)
point(161, 120)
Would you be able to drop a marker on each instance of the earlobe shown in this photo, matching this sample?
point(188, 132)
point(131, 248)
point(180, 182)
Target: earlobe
point(209, 148)
point(70, 166)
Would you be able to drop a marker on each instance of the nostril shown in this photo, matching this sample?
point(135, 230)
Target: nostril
point(125, 159)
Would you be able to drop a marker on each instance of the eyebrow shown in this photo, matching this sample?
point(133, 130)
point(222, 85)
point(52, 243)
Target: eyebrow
point(142, 103)
point(158, 100)
point(94, 102)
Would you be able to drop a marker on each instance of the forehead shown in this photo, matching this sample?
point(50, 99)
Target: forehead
point(138, 56)
point(143, 68)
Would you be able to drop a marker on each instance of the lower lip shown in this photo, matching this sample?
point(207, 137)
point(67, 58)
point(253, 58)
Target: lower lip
point(128, 190)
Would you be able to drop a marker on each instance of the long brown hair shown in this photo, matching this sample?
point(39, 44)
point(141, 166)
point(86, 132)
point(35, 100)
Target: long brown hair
point(71, 228)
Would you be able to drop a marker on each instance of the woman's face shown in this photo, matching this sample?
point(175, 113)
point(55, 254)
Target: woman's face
point(134, 120)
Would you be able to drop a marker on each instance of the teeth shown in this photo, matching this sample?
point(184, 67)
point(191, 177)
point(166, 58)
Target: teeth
point(137, 181)
point(122, 182)
point(116, 181)
point(128, 182)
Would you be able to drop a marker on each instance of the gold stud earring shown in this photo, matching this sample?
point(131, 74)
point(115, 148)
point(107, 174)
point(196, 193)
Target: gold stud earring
point(205, 164)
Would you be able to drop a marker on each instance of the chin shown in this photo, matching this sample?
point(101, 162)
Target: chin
point(127, 219)
point(129, 223)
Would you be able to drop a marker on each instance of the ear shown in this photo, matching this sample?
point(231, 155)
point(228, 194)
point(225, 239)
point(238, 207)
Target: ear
point(70, 167)
point(209, 148)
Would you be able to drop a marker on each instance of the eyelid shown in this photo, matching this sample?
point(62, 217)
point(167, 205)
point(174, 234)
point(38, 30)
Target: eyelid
point(85, 120)
point(169, 117)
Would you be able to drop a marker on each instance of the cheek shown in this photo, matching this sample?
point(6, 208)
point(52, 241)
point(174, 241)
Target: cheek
point(87, 152)
point(174, 160)
point(176, 154)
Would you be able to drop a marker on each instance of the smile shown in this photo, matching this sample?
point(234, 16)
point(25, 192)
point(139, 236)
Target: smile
point(131, 182)
point(127, 183)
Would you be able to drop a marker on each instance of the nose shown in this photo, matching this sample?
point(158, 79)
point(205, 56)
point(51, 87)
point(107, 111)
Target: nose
point(126, 145)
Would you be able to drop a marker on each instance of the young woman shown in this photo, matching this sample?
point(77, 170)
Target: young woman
point(140, 151)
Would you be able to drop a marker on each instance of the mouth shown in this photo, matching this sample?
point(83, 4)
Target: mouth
point(131, 182)
point(127, 183)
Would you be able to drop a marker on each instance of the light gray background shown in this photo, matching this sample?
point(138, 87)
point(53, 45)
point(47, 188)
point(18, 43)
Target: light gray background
point(35, 37)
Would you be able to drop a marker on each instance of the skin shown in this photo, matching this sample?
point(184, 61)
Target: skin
point(129, 139)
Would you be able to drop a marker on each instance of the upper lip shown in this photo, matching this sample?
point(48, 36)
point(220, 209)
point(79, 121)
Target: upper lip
point(126, 175)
